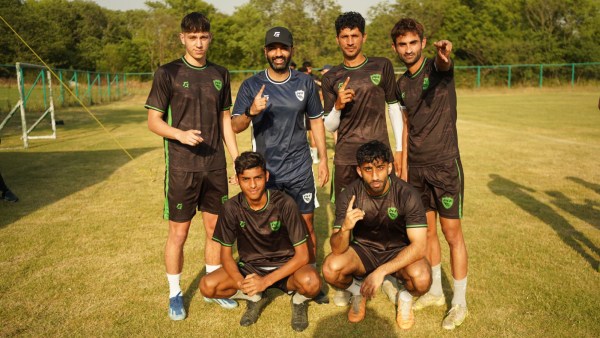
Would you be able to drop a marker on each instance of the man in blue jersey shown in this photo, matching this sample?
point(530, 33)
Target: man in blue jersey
point(276, 102)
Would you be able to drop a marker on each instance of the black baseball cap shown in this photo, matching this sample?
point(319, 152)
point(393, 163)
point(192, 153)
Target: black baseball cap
point(279, 35)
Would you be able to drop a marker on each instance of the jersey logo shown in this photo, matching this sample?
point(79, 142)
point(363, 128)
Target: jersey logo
point(185, 84)
point(179, 206)
point(392, 213)
point(376, 78)
point(224, 199)
point(447, 202)
point(242, 224)
point(300, 95)
point(425, 83)
point(340, 85)
point(218, 84)
point(275, 225)
point(307, 197)
point(403, 95)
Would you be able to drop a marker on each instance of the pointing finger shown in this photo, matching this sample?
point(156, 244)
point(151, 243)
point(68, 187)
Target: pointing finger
point(351, 204)
point(343, 87)
point(260, 92)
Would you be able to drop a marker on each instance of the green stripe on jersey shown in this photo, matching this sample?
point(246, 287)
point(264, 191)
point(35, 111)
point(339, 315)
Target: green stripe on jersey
point(302, 241)
point(166, 146)
point(222, 243)
point(411, 226)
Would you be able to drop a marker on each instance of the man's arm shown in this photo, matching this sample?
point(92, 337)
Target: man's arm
point(230, 266)
point(442, 59)
point(340, 239)
point(410, 254)
point(398, 125)
point(157, 125)
point(404, 173)
point(318, 130)
point(254, 283)
point(240, 123)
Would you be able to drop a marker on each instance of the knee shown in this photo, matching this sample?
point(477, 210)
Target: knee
point(453, 235)
point(310, 284)
point(421, 280)
point(207, 287)
point(331, 269)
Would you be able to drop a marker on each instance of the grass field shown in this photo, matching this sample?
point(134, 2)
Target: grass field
point(81, 253)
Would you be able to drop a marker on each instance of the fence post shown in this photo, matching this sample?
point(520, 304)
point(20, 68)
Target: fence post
point(541, 74)
point(125, 83)
point(509, 75)
point(572, 75)
point(44, 88)
point(62, 89)
point(89, 88)
point(478, 79)
point(108, 85)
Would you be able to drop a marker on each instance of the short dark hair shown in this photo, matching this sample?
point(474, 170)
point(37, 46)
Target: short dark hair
point(248, 160)
point(195, 23)
point(407, 25)
point(373, 151)
point(350, 20)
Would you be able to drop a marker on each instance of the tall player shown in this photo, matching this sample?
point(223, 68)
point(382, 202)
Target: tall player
point(355, 94)
point(276, 102)
point(427, 89)
point(189, 107)
point(379, 230)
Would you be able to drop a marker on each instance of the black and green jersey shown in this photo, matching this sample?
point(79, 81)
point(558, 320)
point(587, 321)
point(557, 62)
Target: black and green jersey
point(363, 119)
point(266, 237)
point(430, 98)
point(386, 217)
point(192, 98)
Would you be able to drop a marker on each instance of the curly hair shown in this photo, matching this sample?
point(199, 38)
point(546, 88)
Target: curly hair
point(350, 20)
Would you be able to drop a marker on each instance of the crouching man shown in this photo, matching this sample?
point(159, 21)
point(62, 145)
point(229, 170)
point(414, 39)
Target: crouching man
point(271, 243)
point(380, 229)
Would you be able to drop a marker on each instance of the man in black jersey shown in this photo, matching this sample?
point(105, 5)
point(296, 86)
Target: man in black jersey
point(355, 94)
point(380, 229)
point(189, 107)
point(272, 246)
point(434, 167)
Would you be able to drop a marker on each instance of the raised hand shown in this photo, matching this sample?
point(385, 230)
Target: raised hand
point(344, 95)
point(260, 102)
point(353, 215)
point(444, 47)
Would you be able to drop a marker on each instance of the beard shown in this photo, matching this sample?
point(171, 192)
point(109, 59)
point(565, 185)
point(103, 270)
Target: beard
point(280, 68)
point(414, 60)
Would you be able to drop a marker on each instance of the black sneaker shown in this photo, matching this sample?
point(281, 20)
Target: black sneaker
point(253, 310)
point(299, 316)
point(9, 196)
point(321, 298)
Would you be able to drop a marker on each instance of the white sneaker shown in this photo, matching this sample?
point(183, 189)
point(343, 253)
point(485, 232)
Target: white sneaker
point(341, 297)
point(390, 288)
point(427, 300)
point(455, 317)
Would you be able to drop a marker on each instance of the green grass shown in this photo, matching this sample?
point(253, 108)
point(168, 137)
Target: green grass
point(82, 252)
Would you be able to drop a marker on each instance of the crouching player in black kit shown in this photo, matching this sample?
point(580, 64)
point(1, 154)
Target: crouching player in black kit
point(272, 246)
point(380, 229)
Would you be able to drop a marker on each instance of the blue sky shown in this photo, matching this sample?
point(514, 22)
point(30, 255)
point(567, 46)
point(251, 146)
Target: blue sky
point(228, 6)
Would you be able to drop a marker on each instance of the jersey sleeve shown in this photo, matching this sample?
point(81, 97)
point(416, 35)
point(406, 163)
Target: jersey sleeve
point(329, 92)
point(226, 92)
point(314, 109)
point(389, 82)
point(244, 99)
point(293, 220)
point(414, 211)
point(225, 229)
point(160, 94)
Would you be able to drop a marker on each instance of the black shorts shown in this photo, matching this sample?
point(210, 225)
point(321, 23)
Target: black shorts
point(247, 268)
point(303, 191)
point(187, 192)
point(372, 259)
point(441, 186)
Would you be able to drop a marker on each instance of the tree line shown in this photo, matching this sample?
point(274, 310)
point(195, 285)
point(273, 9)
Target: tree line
point(82, 35)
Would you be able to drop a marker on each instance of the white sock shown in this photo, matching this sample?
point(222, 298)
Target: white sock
point(460, 292)
point(174, 287)
point(240, 295)
point(406, 299)
point(436, 281)
point(354, 288)
point(299, 299)
point(405, 296)
point(211, 268)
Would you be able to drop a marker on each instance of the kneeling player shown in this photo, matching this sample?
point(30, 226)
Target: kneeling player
point(386, 221)
point(272, 247)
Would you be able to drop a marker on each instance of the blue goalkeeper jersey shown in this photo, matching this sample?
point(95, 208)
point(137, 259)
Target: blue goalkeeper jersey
point(279, 131)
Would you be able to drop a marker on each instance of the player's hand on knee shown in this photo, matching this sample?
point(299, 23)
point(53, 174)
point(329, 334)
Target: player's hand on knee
point(371, 284)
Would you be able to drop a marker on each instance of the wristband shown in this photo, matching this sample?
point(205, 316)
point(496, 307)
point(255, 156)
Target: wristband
point(247, 113)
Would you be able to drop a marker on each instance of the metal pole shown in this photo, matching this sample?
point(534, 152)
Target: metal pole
point(572, 75)
point(509, 75)
point(541, 74)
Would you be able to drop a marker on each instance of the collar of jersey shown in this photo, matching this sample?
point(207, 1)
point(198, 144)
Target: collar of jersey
point(385, 193)
point(263, 208)
point(418, 71)
point(192, 66)
point(277, 82)
point(362, 64)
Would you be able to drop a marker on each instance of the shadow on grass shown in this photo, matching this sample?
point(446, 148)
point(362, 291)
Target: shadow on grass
point(586, 212)
point(593, 186)
point(338, 326)
point(40, 179)
point(519, 194)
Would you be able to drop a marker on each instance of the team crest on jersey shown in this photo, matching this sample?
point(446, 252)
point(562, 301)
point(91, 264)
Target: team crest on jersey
point(218, 84)
point(392, 213)
point(185, 84)
point(242, 224)
point(376, 78)
point(300, 95)
point(179, 206)
point(340, 85)
point(307, 197)
point(275, 225)
point(447, 202)
point(425, 83)
point(224, 199)
point(403, 95)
